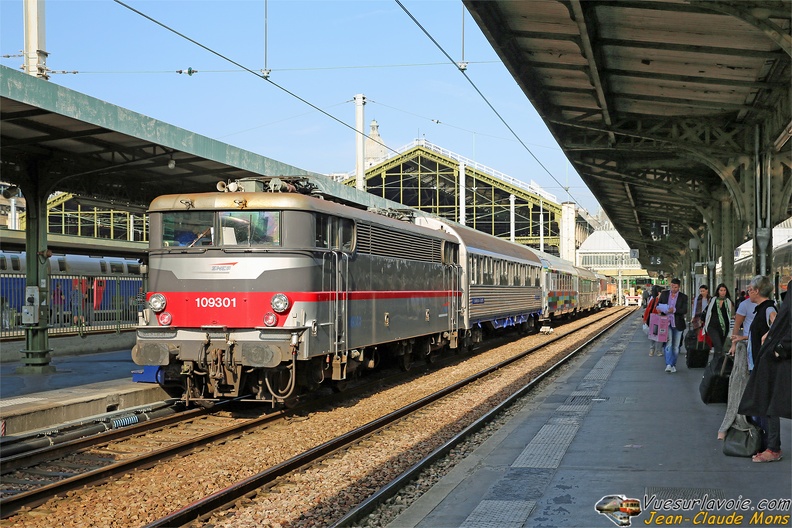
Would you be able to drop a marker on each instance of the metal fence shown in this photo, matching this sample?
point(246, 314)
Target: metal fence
point(77, 303)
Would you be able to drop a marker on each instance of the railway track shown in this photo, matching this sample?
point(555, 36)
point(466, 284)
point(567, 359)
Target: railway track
point(359, 442)
point(156, 453)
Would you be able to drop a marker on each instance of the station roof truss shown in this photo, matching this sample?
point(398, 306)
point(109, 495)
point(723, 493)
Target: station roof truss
point(660, 106)
point(427, 180)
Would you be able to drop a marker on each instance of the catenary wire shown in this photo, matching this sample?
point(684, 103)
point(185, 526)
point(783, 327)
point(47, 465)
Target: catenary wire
point(257, 74)
point(519, 139)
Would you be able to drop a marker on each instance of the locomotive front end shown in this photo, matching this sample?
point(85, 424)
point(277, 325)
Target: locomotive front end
point(229, 310)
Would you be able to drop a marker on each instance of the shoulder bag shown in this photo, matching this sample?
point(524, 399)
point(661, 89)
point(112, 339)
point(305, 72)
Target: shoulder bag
point(742, 443)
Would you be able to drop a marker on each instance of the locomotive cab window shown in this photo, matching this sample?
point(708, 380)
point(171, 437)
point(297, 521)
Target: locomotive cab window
point(250, 228)
point(334, 233)
point(450, 253)
point(187, 229)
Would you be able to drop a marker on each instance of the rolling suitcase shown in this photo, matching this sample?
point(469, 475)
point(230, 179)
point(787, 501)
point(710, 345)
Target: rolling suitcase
point(697, 353)
point(696, 357)
point(714, 386)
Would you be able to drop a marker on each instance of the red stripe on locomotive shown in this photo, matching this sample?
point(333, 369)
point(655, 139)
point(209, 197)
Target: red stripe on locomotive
point(246, 310)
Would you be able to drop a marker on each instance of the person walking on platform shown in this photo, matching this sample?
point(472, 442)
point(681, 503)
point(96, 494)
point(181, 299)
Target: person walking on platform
point(717, 318)
point(739, 374)
point(769, 389)
point(699, 306)
point(674, 303)
point(654, 347)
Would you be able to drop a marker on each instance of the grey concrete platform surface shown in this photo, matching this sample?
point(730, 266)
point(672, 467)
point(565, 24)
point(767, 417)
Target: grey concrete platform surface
point(71, 344)
point(82, 386)
point(614, 424)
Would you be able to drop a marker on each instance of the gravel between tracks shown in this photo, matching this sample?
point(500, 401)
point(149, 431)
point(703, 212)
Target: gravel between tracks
point(319, 495)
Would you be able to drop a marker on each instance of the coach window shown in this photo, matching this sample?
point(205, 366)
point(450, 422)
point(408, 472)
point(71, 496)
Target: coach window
point(15, 263)
point(488, 271)
point(116, 267)
point(504, 273)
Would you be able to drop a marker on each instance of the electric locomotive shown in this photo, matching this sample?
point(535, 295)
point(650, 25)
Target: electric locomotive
point(269, 293)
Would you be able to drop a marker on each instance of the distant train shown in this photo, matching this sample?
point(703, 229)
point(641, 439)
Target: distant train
point(81, 288)
point(14, 261)
point(781, 270)
point(269, 294)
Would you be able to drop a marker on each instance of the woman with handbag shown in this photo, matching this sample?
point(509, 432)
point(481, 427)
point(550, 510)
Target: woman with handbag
point(700, 306)
point(739, 374)
point(718, 315)
point(655, 347)
point(769, 389)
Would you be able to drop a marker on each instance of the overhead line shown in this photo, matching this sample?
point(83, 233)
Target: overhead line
point(443, 51)
point(257, 74)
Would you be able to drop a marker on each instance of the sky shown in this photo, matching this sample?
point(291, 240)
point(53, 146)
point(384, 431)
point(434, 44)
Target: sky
point(321, 52)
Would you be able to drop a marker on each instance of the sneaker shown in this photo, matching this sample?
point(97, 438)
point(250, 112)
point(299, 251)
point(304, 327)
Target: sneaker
point(668, 368)
point(651, 353)
point(767, 456)
point(673, 369)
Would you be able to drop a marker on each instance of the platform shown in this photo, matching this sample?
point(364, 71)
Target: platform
point(82, 386)
point(614, 424)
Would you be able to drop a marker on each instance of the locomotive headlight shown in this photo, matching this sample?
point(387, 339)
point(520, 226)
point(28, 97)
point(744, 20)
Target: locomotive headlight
point(270, 319)
point(165, 318)
point(279, 302)
point(157, 302)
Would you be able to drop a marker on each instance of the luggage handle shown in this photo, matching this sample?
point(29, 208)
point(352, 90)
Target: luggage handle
point(726, 357)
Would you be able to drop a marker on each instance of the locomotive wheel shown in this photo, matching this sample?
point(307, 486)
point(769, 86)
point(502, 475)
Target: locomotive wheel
point(405, 361)
point(195, 395)
point(291, 403)
point(433, 356)
point(340, 385)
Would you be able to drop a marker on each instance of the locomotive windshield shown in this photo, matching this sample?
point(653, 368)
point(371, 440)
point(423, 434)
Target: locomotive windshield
point(188, 229)
point(250, 228)
point(236, 228)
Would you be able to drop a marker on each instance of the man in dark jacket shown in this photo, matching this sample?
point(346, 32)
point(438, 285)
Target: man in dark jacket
point(673, 303)
point(769, 389)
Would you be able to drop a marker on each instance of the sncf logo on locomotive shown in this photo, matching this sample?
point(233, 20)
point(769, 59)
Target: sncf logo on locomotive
point(223, 267)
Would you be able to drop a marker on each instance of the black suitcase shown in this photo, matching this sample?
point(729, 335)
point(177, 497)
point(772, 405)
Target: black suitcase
point(714, 387)
point(697, 357)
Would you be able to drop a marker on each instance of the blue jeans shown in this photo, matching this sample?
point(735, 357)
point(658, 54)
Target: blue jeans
point(672, 346)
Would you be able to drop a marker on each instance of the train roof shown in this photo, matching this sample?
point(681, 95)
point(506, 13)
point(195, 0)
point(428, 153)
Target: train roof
point(477, 242)
point(241, 201)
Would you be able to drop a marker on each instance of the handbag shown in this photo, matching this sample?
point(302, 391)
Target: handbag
point(704, 338)
point(646, 329)
point(742, 443)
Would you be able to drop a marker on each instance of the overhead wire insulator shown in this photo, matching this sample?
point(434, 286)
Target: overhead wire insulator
point(188, 71)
